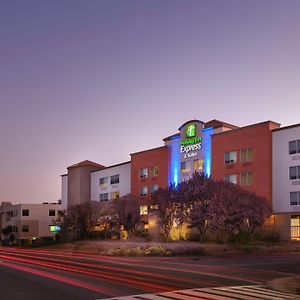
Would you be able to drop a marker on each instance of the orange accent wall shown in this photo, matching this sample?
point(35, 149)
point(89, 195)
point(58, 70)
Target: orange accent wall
point(259, 138)
point(146, 159)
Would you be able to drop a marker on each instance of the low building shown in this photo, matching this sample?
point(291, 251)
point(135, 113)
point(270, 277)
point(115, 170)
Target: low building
point(286, 181)
point(28, 223)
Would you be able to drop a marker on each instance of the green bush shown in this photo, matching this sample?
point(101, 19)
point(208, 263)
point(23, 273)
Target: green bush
point(240, 237)
point(194, 235)
point(143, 233)
point(272, 237)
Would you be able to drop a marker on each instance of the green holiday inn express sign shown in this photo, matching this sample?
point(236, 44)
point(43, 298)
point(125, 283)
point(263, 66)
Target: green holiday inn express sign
point(190, 133)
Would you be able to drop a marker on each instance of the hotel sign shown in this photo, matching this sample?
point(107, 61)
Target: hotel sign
point(190, 146)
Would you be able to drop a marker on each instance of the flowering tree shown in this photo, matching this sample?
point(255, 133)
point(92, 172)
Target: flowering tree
point(127, 209)
point(194, 196)
point(168, 208)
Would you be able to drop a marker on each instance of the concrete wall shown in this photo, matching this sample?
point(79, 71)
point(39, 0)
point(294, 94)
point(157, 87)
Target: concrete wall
point(64, 191)
point(79, 184)
point(123, 187)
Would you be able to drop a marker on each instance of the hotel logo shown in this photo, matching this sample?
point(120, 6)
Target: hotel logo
point(190, 131)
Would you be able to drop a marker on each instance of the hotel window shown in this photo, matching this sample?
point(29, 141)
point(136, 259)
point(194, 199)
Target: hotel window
point(143, 191)
point(25, 228)
point(143, 210)
point(114, 179)
point(246, 178)
point(144, 173)
point(154, 188)
point(115, 195)
point(103, 197)
point(198, 165)
point(295, 198)
point(185, 167)
point(246, 155)
point(294, 147)
point(103, 181)
point(295, 172)
point(154, 171)
point(51, 212)
point(230, 157)
point(25, 212)
point(231, 178)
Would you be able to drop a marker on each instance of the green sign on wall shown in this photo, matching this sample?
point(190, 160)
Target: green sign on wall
point(190, 131)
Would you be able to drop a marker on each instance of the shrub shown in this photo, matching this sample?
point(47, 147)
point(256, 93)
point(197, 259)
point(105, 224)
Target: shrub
point(240, 237)
point(143, 233)
point(272, 237)
point(194, 235)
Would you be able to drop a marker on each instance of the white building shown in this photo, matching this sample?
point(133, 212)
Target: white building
point(286, 181)
point(111, 182)
point(26, 223)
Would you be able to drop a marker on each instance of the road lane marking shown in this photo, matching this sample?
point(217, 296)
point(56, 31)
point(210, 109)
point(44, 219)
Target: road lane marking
point(247, 292)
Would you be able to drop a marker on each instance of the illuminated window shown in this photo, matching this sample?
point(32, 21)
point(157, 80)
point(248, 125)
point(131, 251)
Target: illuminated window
point(115, 195)
point(146, 226)
point(51, 212)
point(25, 228)
point(185, 167)
point(143, 210)
point(103, 197)
point(230, 157)
point(144, 173)
point(294, 147)
point(154, 188)
point(246, 178)
point(154, 171)
point(114, 179)
point(295, 172)
point(198, 165)
point(143, 191)
point(154, 206)
point(295, 198)
point(103, 181)
point(25, 212)
point(231, 178)
point(246, 155)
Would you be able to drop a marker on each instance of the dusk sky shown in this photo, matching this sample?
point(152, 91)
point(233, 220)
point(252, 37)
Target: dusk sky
point(99, 80)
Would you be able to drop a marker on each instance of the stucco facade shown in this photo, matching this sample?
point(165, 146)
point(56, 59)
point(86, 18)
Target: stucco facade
point(286, 185)
point(30, 221)
point(111, 182)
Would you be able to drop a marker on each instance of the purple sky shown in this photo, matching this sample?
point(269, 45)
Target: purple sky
point(99, 80)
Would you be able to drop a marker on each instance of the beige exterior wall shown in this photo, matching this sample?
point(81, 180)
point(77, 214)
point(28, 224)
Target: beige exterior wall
point(38, 220)
point(79, 184)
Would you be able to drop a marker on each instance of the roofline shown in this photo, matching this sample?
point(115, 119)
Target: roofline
point(85, 163)
point(287, 127)
point(223, 124)
point(152, 149)
point(190, 121)
point(64, 175)
point(247, 126)
point(112, 166)
point(172, 137)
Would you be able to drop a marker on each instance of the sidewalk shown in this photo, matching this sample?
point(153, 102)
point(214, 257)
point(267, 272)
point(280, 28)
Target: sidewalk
point(286, 284)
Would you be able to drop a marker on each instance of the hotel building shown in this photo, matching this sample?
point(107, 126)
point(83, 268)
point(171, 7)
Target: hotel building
point(286, 181)
point(30, 222)
point(241, 155)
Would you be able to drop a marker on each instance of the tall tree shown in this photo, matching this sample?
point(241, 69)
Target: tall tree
point(168, 208)
point(127, 210)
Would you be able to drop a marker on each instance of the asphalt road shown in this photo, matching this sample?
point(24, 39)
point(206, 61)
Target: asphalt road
point(46, 274)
